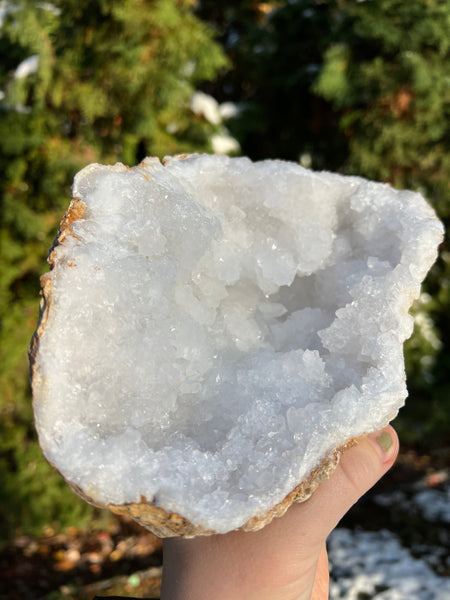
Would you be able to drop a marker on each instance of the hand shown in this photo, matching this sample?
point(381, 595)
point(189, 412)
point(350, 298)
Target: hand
point(287, 559)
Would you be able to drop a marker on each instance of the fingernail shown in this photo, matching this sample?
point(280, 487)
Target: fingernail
point(383, 442)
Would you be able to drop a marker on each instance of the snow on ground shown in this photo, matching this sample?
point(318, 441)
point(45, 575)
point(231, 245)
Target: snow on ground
point(374, 565)
point(433, 504)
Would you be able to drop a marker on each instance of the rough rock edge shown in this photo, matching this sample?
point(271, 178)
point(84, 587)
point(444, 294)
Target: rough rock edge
point(75, 212)
point(154, 518)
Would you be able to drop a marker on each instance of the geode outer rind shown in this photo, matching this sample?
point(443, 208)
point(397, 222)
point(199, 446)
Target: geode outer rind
point(156, 518)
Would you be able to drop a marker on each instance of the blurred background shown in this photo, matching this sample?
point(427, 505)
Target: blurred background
point(356, 86)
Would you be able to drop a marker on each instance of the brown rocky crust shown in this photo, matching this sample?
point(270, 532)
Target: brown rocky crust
point(75, 212)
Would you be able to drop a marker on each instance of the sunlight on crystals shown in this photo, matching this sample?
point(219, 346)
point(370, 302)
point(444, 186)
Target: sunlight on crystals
point(218, 327)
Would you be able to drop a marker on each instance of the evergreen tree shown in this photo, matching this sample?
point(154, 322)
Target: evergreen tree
point(82, 81)
point(387, 75)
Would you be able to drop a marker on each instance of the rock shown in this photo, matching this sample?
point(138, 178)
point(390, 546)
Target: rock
point(215, 332)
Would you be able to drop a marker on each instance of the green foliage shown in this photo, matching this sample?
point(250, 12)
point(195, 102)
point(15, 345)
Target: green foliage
point(389, 78)
point(113, 82)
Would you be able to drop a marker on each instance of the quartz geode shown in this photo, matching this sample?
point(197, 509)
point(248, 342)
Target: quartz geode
point(214, 332)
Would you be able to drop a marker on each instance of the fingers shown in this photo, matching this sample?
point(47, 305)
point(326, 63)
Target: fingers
point(359, 469)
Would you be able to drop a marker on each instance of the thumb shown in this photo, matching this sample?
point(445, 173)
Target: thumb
point(359, 469)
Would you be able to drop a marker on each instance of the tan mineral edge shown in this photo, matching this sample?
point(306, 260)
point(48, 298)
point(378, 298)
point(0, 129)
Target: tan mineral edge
point(154, 518)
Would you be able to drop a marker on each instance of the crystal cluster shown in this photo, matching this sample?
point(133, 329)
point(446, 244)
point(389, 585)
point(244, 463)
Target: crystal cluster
point(214, 328)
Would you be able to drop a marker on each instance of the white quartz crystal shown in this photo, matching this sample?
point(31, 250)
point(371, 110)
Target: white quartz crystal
point(219, 326)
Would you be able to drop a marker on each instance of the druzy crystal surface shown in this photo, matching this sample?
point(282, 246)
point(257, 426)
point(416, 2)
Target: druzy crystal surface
point(218, 327)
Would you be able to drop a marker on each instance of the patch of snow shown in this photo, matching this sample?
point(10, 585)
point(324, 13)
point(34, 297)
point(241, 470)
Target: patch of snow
point(305, 160)
point(229, 110)
point(434, 504)
point(223, 144)
point(395, 498)
point(207, 106)
point(49, 7)
point(367, 564)
point(5, 8)
point(188, 68)
point(27, 67)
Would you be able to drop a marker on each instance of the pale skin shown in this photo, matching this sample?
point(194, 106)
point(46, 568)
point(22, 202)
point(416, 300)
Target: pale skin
point(287, 559)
